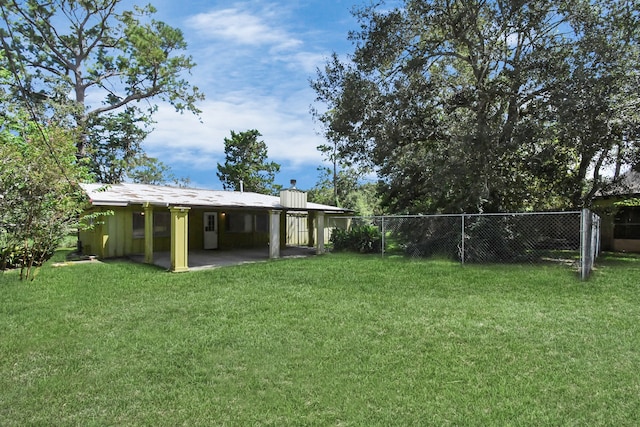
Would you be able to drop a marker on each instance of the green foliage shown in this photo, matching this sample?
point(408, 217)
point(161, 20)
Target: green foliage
point(40, 200)
point(149, 170)
point(18, 256)
point(628, 202)
point(475, 106)
point(492, 240)
point(90, 47)
point(363, 239)
point(427, 237)
point(114, 145)
point(246, 162)
point(352, 193)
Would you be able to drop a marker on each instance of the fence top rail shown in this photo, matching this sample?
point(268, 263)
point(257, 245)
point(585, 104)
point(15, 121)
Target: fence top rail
point(463, 214)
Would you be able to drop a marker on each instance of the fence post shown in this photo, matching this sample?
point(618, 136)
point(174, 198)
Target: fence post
point(462, 238)
point(585, 243)
point(383, 233)
point(596, 233)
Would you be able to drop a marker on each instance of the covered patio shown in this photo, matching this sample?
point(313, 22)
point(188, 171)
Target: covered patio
point(208, 259)
point(186, 228)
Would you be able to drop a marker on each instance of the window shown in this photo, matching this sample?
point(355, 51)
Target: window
point(210, 222)
point(161, 224)
point(627, 223)
point(239, 222)
point(262, 223)
point(138, 225)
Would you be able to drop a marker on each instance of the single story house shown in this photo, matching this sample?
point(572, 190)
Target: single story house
point(143, 219)
point(619, 210)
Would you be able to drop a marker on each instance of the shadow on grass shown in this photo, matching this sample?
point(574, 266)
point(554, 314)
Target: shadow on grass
point(64, 257)
point(618, 259)
point(134, 264)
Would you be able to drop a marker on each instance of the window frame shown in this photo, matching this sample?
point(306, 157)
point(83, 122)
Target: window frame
point(161, 224)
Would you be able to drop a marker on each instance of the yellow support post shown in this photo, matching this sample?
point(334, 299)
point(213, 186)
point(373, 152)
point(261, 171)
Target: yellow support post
point(179, 238)
point(148, 233)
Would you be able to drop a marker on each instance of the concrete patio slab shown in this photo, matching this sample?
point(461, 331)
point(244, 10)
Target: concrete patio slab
point(215, 258)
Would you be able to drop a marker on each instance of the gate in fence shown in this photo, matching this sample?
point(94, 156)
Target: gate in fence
point(572, 238)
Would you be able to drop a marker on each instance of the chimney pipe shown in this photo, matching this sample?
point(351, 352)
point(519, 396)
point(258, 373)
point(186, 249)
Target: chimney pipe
point(293, 184)
point(241, 186)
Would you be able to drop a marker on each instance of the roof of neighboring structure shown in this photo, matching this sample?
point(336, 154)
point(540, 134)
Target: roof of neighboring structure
point(627, 185)
point(127, 194)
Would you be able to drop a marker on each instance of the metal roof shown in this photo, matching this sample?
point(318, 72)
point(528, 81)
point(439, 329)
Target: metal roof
point(127, 194)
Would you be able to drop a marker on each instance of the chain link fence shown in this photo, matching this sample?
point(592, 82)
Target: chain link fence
point(571, 238)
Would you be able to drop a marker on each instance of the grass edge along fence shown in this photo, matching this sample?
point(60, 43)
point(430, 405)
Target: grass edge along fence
point(571, 238)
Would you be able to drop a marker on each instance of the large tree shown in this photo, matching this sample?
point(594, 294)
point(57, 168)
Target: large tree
point(453, 101)
point(346, 189)
point(246, 164)
point(593, 97)
point(108, 65)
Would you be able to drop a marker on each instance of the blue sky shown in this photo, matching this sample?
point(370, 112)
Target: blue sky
point(255, 59)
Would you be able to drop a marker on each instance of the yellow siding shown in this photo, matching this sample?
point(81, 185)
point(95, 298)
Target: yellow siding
point(118, 236)
point(114, 238)
point(196, 227)
point(92, 240)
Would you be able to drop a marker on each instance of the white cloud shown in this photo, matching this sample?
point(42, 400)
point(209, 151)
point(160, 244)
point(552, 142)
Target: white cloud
point(239, 25)
point(306, 61)
point(285, 124)
point(254, 70)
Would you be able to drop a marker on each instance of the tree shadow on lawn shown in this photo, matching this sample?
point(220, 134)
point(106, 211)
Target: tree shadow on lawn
point(621, 259)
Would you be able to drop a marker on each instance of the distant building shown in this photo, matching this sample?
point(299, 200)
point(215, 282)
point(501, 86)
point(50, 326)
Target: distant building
point(619, 208)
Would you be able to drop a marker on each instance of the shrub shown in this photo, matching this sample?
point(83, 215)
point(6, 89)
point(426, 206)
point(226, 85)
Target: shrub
point(362, 239)
point(16, 257)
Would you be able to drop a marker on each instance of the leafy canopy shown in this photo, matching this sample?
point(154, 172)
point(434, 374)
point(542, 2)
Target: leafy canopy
point(109, 60)
point(246, 164)
point(487, 105)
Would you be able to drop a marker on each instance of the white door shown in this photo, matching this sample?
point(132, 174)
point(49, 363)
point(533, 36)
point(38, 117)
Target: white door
point(211, 230)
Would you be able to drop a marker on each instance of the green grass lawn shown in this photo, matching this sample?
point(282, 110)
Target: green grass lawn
point(333, 340)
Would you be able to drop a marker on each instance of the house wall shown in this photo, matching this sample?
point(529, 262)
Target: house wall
point(607, 210)
point(626, 245)
point(240, 239)
point(297, 229)
point(92, 239)
point(112, 236)
point(196, 228)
